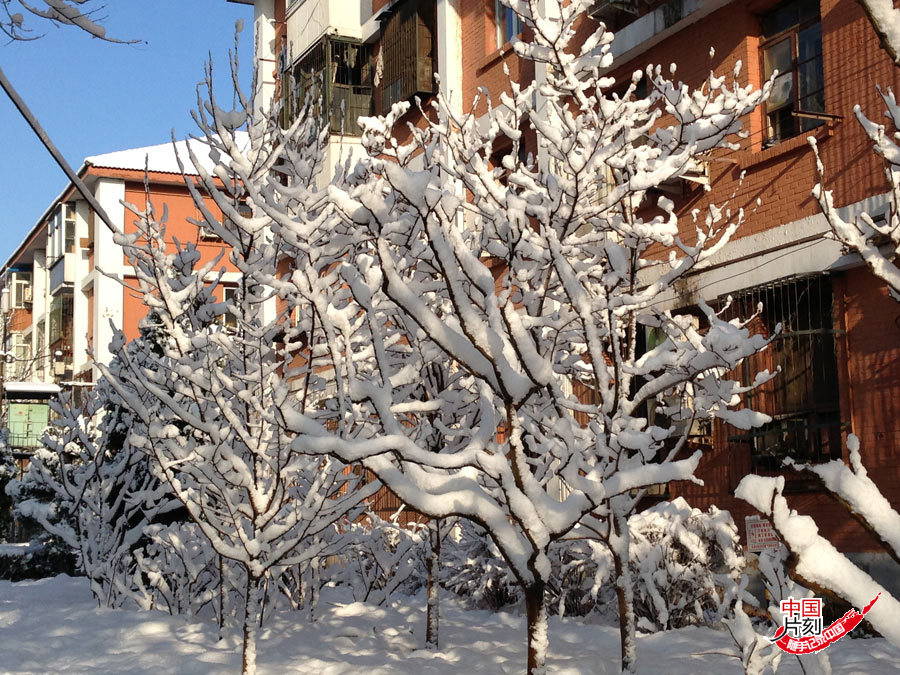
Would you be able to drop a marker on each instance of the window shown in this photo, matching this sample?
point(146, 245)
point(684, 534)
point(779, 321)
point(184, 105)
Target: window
point(407, 52)
point(69, 228)
point(792, 46)
point(61, 232)
point(804, 399)
point(20, 289)
point(337, 75)
point(61, 318)
point(230, 295)
point(20, 346)
point(509, 24)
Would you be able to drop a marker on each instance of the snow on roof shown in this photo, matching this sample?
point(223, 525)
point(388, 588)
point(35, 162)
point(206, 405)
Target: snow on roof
point(42, 388)
point(160, 158)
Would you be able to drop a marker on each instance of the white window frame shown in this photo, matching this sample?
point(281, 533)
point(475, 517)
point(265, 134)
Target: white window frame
point(20, 285)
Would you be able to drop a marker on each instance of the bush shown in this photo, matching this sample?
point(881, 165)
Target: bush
point(41, 558)
point(682, 561)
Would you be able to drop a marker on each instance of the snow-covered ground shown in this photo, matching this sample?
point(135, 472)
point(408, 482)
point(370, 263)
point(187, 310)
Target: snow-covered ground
point(53, 626)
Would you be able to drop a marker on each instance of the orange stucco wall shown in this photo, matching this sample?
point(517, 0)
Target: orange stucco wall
point(177, 200)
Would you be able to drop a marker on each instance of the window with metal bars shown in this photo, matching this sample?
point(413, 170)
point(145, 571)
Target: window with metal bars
point(408, 52)
point(804, 398)
point(337, 74)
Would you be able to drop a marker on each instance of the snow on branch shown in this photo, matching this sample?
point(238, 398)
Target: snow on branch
point(78, 13)
point(817, 563)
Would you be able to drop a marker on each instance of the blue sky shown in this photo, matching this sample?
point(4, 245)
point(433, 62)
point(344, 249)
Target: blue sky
point(94, 97)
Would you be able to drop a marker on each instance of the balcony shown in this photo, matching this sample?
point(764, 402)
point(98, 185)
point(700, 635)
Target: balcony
point(308, 21)
point(62, 271)
point(639, 34)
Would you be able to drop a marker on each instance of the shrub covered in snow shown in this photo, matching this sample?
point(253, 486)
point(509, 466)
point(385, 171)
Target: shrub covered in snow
point(381, 558)
point(683, 559)
point(473, 569)
point(683, 563)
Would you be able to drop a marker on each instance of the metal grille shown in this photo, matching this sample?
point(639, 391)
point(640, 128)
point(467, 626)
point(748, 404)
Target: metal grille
point(804, 399)
point(407, 50)
point(337, 74)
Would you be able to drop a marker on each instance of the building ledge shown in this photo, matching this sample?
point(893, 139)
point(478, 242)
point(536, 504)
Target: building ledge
point(495, 56)
point(750, 160)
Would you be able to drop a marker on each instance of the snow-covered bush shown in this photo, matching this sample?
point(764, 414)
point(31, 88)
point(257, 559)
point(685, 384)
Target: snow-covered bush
point(33, 501)
point(473, 569)
point(178, 571)
point(381, 558)
point(44, 556)
point(683, 560)
point(815, 562)
point(683, 563)
point(8, 471)
point(93, 489)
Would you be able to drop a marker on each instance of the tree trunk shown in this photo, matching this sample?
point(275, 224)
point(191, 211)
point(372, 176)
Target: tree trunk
point(313, 588)
point(251, 625)
point(536, 611)
point(620, 548)
point(221, 598)
point(432, 566)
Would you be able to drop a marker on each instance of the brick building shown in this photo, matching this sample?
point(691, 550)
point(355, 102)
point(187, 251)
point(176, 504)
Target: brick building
point(840, 343)
point(65, 280)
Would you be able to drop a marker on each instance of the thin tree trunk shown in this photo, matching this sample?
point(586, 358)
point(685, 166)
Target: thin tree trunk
point(251, 625)
point(432, 566)
point(313, 588)
point(620, 548)
point(536, 612)
point(221, 599)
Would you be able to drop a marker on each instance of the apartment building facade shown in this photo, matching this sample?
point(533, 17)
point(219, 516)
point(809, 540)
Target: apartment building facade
point(68, 281)
point(840, 341)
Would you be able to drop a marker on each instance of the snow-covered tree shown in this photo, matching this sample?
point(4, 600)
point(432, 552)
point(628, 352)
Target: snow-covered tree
point(877, 241)
point(103, 493)
point(206, 398)
point(83, 14)
point(815, 562)
point(527, 280)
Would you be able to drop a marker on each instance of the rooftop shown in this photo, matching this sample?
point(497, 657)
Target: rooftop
point(162, 158)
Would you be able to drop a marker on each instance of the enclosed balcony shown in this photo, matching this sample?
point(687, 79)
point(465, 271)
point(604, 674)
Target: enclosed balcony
point(62, 272)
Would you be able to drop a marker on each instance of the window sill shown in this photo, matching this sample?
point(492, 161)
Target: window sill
point(750, 159)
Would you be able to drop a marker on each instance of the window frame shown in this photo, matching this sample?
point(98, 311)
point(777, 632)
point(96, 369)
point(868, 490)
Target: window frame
point(802, 120)
point(506, 21)
point(20, 284)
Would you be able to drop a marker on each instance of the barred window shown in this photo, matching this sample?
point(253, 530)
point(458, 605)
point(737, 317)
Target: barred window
point(804, 398)
point(408, 52)
point(337, 74)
